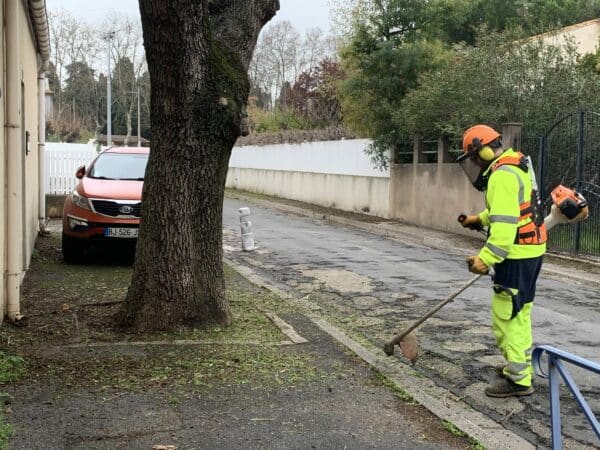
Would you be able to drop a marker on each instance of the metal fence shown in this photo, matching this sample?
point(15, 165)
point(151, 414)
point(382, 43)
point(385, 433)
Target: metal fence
point(555, 370)
point(569, 154)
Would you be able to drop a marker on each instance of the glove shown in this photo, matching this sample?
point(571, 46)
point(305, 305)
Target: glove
point(476, 265)
point(471, 222)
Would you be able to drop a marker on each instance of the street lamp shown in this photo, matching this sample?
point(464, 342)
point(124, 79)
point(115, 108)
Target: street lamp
point(108, 37)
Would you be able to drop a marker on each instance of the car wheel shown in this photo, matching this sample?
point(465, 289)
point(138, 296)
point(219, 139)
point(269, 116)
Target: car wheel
point(72, 249)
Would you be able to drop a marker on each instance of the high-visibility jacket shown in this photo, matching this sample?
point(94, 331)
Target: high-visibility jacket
point(508, 198)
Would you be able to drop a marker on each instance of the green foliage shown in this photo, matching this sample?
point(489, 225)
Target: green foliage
point(397, 46)
point(379, 76)
point(11, 368)
point(123, 96)
point(80, 94)
point(590, 63)
point(499, 81)
point(6, 432)
point(277, 120)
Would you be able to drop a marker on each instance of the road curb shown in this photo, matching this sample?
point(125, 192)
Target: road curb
point(436, 399)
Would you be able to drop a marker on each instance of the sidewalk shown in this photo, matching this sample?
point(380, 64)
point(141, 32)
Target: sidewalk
point(254, 385)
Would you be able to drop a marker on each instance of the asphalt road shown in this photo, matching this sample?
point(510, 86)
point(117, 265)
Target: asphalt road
point(375, 285)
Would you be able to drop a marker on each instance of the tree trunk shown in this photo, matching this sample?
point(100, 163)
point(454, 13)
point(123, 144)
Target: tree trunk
point(198, 55)
point(128, 125)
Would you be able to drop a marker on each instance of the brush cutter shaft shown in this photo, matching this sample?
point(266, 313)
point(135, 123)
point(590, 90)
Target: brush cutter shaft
point(397, 338)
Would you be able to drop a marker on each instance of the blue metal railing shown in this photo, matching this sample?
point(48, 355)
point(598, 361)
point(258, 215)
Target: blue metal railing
point(554, 369)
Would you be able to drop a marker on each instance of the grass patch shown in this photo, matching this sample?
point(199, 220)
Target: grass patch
point(397, 390)
point(11, 368)
point(196, 367)
point(62, 304)
point(6, 432)
point(454, 430)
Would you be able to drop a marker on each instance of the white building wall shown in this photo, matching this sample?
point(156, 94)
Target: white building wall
point(345, 157)
point(585, 36)
point(29, 66)
point(3, 178)
point(333, 174)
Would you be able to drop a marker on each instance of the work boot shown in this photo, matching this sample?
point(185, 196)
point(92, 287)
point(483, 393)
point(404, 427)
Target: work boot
point(507, 388)
point(499, 368)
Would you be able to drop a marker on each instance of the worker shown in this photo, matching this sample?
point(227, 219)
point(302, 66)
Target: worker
point(515, 245)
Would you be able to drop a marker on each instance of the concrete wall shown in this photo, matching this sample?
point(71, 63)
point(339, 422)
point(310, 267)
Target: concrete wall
point(432, 195)
point(3, 199)
point(333, 173)
point(25, 48)
point(31, 185)
point(347, 192)
point(344, 157)
point(339, 174)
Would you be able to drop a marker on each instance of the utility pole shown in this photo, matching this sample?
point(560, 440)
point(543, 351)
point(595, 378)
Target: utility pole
point(138, 117)
point(108, 37)
point(139, 134)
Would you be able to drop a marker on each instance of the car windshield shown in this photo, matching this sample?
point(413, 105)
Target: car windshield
point(119, 166)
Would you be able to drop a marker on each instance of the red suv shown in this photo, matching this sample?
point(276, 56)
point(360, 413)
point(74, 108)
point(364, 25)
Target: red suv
point(105, 205)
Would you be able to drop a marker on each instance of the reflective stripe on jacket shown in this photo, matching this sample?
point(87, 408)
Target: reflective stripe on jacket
point(508, 187)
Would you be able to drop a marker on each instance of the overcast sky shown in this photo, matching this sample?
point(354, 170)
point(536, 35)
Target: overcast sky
point(303, 14)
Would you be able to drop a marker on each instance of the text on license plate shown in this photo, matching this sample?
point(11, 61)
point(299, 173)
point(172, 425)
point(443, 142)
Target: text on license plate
point(121, 232)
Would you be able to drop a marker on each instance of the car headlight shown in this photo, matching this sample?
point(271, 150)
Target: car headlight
point(75, 222)
point(80, 200)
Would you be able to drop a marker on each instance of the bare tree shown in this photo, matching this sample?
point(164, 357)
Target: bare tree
point(198, 57)
point(127, 44)
point(316, 47)
point(280, 55)
point(72, 40)
point(261, 74)
point(345, 14)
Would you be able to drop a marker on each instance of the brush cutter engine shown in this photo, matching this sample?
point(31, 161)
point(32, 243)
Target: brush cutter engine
point(568, 206)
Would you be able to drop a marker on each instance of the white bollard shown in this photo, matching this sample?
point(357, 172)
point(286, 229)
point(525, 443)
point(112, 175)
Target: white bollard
point(246, 227)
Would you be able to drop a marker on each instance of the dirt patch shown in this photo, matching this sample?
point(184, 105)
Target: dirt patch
point(340, 280)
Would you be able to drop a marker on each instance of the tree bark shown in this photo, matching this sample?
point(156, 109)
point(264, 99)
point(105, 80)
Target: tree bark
point(198, 55)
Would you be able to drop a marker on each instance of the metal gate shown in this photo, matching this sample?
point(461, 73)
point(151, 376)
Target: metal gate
point(569, 154)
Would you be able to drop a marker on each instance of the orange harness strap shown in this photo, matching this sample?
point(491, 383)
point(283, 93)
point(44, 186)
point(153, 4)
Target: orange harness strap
point(530, 233)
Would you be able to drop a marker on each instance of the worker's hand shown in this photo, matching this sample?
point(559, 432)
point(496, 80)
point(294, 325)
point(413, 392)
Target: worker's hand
point(476, 265)
point(471, 222)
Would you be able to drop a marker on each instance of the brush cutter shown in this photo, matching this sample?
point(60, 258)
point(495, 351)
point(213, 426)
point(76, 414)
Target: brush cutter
point(407, 340)
point(568, 206)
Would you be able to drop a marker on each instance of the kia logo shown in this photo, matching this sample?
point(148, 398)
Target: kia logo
point(125, 209)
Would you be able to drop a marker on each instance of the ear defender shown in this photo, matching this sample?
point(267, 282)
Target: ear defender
point(485, 152)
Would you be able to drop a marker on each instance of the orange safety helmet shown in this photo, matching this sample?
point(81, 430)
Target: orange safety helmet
point(478, 136)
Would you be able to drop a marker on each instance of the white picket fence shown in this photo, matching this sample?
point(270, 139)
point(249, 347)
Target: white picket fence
point(62, 160)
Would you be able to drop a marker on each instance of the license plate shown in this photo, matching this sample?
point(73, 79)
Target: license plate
point(121, 232)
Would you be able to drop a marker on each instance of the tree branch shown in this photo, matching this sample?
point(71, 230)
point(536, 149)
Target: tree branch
point(237, 24)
